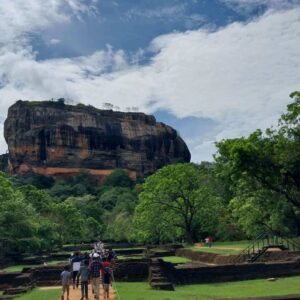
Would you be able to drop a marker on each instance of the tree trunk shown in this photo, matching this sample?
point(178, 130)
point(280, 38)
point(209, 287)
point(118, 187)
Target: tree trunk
point(189, 237)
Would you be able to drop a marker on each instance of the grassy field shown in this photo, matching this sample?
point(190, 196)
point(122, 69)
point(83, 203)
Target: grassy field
point(122, 257)
point(19, 268)
point(133, 248)
point(176, 259)
point(58, 262)
point(142, 291)
point(225, 248)
point(38, 294)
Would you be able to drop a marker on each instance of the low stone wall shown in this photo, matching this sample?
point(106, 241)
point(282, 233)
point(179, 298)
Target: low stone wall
point(129, 251)
point(150, 253)
point(280, 256)
point(23, 279)
point(164, 253)
point(210, 258)
point(6, 279)
point(125, 270)
point(138, 270)
point(74, 248)
point(190, 275)
point(131, 270)
point(170, 247)
point(218, 259)
point(47, 275)
point(58, 256)
point(122, 245)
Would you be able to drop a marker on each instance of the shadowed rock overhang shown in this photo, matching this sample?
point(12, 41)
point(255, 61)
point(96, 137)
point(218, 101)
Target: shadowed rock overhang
point(55, 139)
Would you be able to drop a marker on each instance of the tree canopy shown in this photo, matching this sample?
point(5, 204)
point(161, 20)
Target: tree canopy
point(177, 201)
point(263, 171)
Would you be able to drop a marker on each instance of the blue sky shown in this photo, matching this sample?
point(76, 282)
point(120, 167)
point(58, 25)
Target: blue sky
point(212, 69)
point(131, 25)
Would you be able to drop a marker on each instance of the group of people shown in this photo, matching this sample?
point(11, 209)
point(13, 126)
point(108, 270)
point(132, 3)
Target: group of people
point(94, 267)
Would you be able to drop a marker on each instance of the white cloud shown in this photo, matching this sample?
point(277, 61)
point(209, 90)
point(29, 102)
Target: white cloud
point(247, 6)
point(162, 12)
point(54, 41)
point(19, 18)
point(239, 76)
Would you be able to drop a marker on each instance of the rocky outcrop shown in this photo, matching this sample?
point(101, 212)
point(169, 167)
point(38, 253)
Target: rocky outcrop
point(55, 139)
point(4, 162)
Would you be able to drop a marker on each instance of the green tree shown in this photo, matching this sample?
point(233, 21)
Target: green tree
point(119, 178)
point(178, 196)
point(70, 223)
point(80, 185)
point(119, 203)
point(263, 170)
point(18, 223)
point(39, 199)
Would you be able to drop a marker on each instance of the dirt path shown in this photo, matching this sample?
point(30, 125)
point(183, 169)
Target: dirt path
point(76, 294)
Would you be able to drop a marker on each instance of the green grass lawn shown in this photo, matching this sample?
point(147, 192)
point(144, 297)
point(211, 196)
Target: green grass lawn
point(38, 294)
point(176, 259)
point(261, 287)
point(225, 248)
point(142, 290)
point(120, 249)
point(124, 257)
point(17, 268)
point(57, 262)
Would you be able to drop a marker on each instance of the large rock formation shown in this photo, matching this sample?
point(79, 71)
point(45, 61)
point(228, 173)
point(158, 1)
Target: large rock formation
point(55, 139)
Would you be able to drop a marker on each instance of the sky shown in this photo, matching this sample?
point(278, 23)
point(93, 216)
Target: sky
point(212, 69)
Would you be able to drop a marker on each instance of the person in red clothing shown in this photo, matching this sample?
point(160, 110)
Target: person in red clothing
point(210, 240)
point(105, 264)
point(106, 276)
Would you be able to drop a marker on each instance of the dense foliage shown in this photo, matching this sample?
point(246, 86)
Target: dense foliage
point(39, 213)
point(263, 173)
point(180, 200)
point(253, 186)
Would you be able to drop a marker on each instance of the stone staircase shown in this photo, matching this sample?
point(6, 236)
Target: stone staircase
point(262, 244)
point(158, 278)
point(258, 253)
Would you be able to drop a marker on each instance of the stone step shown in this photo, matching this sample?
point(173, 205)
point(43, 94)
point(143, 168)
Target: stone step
point(17, 290)
point(162, 286)
point(156, 272)
point(155, 268)
point(23, 279)
point(159, 279)
point(155, 263)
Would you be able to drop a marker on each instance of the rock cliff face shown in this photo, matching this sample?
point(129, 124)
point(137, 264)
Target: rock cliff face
point(55, 139)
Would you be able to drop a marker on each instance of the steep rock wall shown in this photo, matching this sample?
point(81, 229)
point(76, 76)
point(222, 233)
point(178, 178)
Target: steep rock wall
point(55, 139)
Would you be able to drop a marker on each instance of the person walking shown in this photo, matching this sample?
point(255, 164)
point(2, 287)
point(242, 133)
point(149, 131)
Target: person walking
point(84, 273)
point(65, 282)
point(106, 277)
point(76, 262)
point(95, 274)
